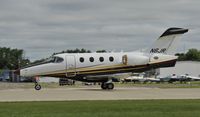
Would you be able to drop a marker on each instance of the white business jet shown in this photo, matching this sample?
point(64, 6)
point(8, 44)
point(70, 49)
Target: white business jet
point(97, 67)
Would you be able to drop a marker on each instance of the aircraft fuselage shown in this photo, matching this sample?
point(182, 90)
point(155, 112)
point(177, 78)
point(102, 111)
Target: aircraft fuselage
point(78, 66)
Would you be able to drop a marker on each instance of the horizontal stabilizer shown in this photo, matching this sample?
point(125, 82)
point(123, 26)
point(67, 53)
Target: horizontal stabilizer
point(172, 31)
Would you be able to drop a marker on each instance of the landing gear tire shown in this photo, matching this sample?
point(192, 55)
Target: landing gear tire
point(104, 86)
point(37, 87)
point(108, 86)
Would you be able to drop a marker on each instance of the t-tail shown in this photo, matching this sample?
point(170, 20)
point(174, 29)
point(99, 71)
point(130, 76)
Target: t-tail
point(167, 42)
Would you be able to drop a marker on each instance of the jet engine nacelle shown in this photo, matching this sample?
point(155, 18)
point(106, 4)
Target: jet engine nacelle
point(135, 60)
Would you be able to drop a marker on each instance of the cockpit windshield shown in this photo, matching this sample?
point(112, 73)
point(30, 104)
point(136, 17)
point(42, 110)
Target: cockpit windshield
point(58, 60)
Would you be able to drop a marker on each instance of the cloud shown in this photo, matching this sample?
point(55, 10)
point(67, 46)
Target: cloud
point(42, 27)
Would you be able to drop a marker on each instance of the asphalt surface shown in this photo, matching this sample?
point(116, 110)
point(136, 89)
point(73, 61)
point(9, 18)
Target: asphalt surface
point(93, 93)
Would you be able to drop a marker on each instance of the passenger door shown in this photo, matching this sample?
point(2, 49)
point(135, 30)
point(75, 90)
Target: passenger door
point(70, 66)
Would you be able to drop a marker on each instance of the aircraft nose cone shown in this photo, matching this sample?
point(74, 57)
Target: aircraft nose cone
point(17, 72)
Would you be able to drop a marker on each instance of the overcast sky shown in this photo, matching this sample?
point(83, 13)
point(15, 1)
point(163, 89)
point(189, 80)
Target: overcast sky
point(42, 27)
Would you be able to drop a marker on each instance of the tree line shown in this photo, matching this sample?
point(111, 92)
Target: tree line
point(191, 55)
point(14, 58)
point(77, 50)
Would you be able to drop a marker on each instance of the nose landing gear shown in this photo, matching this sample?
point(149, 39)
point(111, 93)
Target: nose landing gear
point(37, 85)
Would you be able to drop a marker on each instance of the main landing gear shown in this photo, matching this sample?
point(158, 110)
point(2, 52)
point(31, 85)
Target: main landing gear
point(37, 85)
point(108, 86)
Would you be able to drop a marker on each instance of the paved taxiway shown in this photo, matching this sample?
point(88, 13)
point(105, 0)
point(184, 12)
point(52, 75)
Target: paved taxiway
point(91, 93)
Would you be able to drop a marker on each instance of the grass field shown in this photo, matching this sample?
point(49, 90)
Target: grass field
point(126, 108)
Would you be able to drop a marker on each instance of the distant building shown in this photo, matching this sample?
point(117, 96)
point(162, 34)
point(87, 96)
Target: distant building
point(183, 67)
point(8, 76)
point(5, 75)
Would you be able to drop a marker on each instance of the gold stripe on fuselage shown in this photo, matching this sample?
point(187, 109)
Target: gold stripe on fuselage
point(98, 71)
point(112, 70)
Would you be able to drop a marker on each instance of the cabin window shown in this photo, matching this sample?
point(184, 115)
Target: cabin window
point(111, 59)
point(101, 59)
point(81, 59)
point(91, 59)
point(58, 60)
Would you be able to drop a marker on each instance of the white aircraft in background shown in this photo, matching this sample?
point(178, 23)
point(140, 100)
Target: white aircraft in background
point(182, 78)
point(187, 77)
point(135, 77)
point(96, 67)
point(170, 79)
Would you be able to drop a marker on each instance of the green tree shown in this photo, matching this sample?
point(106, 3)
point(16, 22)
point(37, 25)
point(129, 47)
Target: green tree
point(193, 54)
point(11, 58)
point(100, 51)
point(181, 56)
point(74, 51)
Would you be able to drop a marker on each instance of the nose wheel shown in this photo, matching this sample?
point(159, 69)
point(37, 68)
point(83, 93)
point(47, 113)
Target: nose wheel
point(37, 87)
point(108, 86)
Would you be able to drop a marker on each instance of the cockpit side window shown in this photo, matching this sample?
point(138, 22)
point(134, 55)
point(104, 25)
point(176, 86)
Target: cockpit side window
point(58, 60)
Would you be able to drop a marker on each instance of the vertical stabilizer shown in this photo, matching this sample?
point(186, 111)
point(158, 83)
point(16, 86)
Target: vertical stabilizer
point(167, 42)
